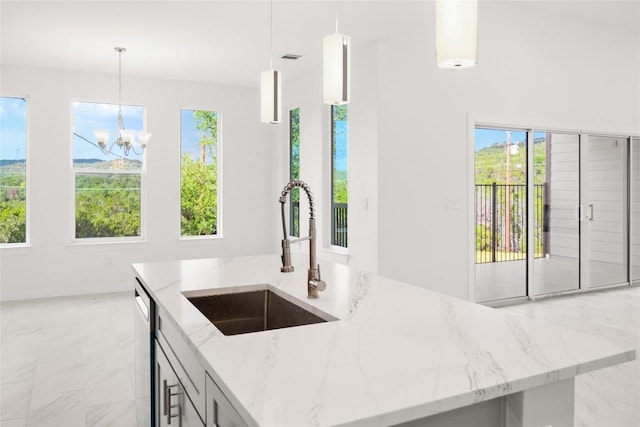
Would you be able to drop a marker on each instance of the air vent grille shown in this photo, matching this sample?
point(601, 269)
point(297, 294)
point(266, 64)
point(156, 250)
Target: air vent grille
point(291, 56)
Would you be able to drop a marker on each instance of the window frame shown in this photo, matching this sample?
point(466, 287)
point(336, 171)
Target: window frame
point(79, 241)
point(27, 156)
point(188, 240)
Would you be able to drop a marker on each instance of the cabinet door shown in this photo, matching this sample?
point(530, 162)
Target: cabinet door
point(220, 412)
point(173, 405)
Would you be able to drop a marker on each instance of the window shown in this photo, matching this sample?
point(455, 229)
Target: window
point(107, 187)
point(199, 173)
point(339, 195)
point(13, 170)
point(294, 170)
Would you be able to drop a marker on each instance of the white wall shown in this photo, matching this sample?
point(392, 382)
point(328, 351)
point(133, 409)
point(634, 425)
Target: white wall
point(533, 70)
point(52, 265)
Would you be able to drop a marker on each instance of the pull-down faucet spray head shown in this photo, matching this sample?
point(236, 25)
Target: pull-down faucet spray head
point(314, 283)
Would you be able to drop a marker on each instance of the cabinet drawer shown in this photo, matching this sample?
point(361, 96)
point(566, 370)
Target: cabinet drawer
point(220, 412)
point(183, 360)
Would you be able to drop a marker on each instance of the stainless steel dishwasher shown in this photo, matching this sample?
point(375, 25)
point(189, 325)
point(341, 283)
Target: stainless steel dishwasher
point(144, 336)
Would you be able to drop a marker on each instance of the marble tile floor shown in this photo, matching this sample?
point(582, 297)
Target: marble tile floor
point(608, 397)
point(70, 361)
point(502, 280)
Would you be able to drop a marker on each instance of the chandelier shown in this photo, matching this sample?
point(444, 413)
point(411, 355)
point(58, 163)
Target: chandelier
point(126, 138)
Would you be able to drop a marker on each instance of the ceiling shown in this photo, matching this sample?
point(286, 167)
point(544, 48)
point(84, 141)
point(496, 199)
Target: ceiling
point(221, 41)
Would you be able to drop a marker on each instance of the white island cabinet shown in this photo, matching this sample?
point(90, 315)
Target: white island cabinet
point(397, 354)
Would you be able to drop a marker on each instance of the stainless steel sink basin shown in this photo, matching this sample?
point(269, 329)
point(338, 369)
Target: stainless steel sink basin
point(252, 311)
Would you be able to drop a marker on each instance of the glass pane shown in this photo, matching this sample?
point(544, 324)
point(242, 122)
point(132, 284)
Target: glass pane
point(635, 209)
point(500, 213)
point(107, 205)
point(294, 170)
point(556, 201)
point(13, 170)
point(89, 117)
point(606, 210)
point(340, 198)
point(198, 173)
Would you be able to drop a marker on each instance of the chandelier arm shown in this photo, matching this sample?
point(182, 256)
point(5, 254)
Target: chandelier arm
point(107, 152)
point(136, 152)
point(111, 147)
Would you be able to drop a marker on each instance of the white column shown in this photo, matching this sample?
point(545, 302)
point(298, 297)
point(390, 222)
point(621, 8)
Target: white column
point(550, 405)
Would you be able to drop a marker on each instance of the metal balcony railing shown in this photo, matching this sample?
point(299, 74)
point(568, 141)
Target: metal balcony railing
point(501, 222)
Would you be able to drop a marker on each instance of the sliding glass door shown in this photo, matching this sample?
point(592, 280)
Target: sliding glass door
point(554, 212)
point(501, 213)
point(556, 266)
point(606, 234)
point(635, 210)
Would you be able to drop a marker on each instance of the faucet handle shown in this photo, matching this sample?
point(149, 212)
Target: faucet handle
point(320, 285)
point(315, 281)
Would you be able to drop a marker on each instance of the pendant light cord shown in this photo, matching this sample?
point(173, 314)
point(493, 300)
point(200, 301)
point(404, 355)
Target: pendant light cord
point(120, 82)
point(271, 34)
point(336, 13)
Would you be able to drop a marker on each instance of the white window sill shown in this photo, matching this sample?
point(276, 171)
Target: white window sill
point(335, 253)
point(199, 240)
point(15, 248)
point(100, 245)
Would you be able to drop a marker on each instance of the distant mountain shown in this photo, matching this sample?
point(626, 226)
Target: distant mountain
point(87, 160)
point(6, 162)
point(107, 164)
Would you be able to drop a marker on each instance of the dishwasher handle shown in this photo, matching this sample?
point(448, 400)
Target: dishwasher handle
point(143, 301)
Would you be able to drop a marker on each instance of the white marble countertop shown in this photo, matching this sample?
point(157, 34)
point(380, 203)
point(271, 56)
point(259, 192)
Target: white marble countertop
point(398, 352)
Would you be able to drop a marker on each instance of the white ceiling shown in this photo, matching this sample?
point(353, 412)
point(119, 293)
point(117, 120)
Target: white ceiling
point(224, 41)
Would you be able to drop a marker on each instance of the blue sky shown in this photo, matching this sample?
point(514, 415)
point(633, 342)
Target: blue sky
point(190, 135)
point(340, 160)
point(486, 137)
point(13, 125)
point(88, 116)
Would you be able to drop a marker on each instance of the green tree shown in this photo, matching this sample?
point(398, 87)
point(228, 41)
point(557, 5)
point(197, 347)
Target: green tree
point(199, 198)
point(107, 205)
point(207, 123)
point(13, 203)
point(294, 165)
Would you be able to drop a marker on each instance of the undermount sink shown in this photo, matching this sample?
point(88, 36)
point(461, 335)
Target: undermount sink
point(253, 311)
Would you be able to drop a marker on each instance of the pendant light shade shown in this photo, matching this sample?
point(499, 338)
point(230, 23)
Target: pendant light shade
point(456, 33)
point(270, 96)
point(337, 69)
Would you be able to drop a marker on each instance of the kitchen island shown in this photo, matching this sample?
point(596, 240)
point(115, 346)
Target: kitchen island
point(396, 354)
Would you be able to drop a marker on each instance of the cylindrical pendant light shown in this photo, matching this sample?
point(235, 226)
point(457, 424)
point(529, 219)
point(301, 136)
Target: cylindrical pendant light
point(270, 84)
point(270, 96)
point(456, 33)
point(336, 67)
